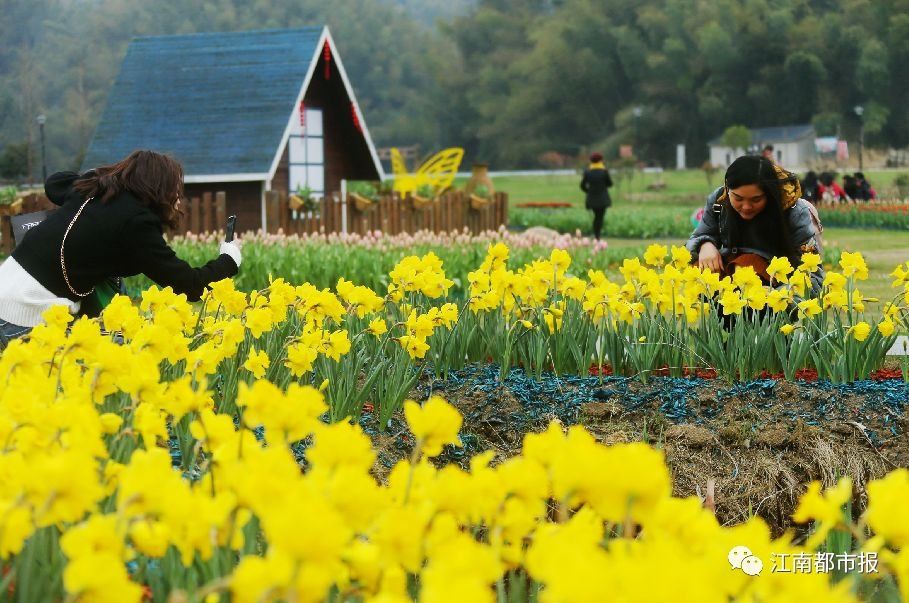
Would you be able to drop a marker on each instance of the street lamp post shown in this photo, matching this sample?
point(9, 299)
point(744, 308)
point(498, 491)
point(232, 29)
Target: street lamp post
point(859, 111)
point(42, 119)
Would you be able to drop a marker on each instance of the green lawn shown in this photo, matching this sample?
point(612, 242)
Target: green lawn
point(682, 187)
point(640, 208)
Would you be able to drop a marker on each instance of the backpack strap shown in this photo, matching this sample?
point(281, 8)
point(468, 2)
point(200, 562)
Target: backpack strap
point(718, 212)
point(816, 220)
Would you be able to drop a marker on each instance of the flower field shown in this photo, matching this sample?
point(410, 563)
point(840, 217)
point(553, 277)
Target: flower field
point(321, 259)
point(874, 214)
point(229, 451)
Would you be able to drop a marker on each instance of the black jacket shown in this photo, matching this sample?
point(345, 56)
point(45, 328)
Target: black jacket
point(119, 238)
point(596, 183)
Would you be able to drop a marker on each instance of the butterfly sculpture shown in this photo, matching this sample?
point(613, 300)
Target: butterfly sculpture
point(437, 172)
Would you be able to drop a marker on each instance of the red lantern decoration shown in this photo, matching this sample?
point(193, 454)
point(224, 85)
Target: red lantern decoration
point(355, 117)
point(326, 55)
point(303, 115)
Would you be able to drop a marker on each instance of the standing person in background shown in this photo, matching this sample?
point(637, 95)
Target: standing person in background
point(110, 223)
point(768, 152)
point(596, 183)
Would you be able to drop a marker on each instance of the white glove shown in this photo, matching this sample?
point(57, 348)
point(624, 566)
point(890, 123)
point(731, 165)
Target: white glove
point(233, 250)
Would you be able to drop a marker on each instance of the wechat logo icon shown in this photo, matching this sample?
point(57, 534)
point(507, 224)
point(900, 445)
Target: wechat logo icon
point(741, 557)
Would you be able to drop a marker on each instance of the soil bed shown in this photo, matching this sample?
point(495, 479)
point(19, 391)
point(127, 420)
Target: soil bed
point(760, 441)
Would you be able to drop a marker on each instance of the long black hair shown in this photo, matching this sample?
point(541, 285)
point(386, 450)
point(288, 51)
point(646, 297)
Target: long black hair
point(760, 171)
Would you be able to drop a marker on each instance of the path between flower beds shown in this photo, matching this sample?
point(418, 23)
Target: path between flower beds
point(762, 441)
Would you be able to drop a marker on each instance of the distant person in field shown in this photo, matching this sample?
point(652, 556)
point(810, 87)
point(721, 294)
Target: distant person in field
point(757, 214)
point(810, 187)
point(828, 190)
point(850, 187)
point(767, 152)
point(866, 192)
point(110, 223)
point(596, 183)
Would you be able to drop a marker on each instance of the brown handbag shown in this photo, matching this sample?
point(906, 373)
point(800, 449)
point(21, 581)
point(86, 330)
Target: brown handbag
point(753, 260)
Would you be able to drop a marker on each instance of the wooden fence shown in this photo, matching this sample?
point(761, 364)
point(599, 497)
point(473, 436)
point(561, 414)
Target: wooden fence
point(391, 214)
point(207, 213)
point(25, 205)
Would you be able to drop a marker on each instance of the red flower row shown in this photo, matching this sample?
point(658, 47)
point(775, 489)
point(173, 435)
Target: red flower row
point(544, 204)
point(807, 374)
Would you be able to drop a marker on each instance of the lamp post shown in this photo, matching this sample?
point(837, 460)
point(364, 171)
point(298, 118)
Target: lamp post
point(636, 112)
point(859, 111)
point(42, 119)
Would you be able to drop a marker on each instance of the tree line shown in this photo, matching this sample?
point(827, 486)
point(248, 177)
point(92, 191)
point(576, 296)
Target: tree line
point(518, 83)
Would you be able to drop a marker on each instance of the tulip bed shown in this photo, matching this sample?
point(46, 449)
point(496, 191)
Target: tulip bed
point(321, 259)
point(622, 220)
point(218, 452)
point(873, 214)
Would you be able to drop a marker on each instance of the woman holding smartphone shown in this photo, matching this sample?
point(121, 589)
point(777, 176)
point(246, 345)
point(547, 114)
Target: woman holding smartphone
point(110, 223)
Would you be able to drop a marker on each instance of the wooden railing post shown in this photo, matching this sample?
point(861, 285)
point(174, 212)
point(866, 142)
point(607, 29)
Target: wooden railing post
point(220, 210)
point(206, 212)
point(285, 215)
point(195, 219)
point(272, 207)
point(6, 235)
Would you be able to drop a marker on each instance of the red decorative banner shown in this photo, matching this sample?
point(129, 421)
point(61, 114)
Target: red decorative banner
point(326, 55)
point(355, 117)
point(303, 115)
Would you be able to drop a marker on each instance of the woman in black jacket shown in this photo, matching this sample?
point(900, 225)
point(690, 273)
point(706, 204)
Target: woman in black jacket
point(596, 183)
point(110, 223)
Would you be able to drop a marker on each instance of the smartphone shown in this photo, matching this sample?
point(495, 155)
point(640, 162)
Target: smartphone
point(231, 225)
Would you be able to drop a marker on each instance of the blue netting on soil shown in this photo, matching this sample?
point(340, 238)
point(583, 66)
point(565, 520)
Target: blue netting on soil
point(680, 400)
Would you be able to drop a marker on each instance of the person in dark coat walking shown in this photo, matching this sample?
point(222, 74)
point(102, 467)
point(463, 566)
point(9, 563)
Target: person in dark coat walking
point(596, 183)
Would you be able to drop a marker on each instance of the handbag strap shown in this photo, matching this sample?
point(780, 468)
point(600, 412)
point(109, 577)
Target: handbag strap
point(63, 243)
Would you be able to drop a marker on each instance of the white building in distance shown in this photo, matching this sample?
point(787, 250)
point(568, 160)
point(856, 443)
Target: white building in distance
point(793, 146)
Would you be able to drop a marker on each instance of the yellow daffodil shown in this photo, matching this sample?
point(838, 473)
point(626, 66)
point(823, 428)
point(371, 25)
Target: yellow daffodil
point(824, 507)
point(853, 264)
point(655, 255)
point(779, 269)
point(434, 424)
point(257, 363)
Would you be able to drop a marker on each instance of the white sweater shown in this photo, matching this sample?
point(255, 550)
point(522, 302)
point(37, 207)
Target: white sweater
point(23, 299)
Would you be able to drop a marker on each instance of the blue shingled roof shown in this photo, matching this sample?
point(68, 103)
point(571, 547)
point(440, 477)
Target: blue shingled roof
point(775, 134)
point(219, 102)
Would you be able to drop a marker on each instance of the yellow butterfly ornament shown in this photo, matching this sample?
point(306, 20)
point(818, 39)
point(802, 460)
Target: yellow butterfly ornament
point(438, 171)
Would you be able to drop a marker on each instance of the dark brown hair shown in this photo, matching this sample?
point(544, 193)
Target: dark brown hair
point(154, 179)
point(758, 170)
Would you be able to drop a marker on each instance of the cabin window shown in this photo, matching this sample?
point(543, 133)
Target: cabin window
point(307, 154)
